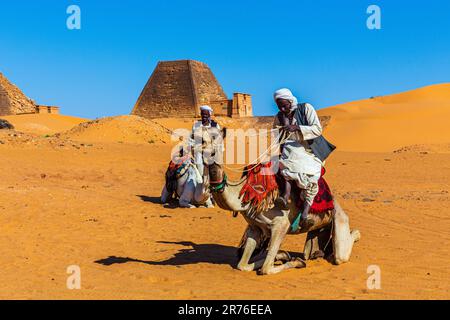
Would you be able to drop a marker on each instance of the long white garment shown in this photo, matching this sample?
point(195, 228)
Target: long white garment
point(297, 161)
point(203, 138)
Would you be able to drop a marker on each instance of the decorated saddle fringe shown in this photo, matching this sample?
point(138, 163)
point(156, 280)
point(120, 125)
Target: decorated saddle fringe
point(260, 189)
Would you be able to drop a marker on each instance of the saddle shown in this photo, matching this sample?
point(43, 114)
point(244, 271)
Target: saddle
point(323, 200)
point(175, 171)
point(262, 188)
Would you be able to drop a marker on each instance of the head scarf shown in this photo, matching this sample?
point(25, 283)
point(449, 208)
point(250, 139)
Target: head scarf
point(206, 108)
point(286, 94)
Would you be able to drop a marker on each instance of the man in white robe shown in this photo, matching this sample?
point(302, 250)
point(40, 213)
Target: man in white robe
point(298, 163)
point(206, 138)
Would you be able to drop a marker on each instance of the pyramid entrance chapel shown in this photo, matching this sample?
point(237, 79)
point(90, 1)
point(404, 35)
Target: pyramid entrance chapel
point(180, 88)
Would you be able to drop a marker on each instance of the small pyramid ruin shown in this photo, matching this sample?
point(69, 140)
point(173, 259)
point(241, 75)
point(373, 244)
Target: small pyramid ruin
point(12, 99)
point(179, 88)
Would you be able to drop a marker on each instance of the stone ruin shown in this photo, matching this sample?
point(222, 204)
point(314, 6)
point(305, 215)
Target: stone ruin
point(179, 88)
point(14, 102)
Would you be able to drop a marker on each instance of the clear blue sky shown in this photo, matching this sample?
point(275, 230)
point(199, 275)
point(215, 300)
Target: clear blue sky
point(321, 49)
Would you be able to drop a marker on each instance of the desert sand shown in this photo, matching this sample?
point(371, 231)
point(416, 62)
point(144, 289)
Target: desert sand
point(89, 196)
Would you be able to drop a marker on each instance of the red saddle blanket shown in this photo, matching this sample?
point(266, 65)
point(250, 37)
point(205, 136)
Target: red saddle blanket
point(261, 189)
point(323, 200)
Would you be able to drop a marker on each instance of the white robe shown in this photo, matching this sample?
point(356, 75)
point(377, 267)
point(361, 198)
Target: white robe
point(297, 161)
point(203, 141)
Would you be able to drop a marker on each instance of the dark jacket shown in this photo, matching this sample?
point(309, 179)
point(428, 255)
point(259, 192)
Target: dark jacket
point(319, 146)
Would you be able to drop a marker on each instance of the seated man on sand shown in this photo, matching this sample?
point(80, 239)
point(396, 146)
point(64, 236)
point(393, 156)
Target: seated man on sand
point(303, 149)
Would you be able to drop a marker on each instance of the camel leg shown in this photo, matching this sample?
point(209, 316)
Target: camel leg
point(251, 242)
point(318, 244)
point(343, 237)
point(165, 195)
point(282, 256)
point(278, 233)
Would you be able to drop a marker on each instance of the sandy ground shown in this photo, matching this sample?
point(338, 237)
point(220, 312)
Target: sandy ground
point(96, 205)
point(43, 124)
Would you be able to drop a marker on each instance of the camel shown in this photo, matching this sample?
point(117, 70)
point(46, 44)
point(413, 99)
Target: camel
point(268, 229)
point(190, 189)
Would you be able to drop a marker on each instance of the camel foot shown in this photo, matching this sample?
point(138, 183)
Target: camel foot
point(187, 206)
point(283, 256)
point(246, 268)
point(295, 263)
point(317, 254)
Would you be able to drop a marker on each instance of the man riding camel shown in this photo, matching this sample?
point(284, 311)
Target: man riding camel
point(206, 140)
point(303, 149)
point(205, 135)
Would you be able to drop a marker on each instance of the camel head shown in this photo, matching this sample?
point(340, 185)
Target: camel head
point(216, 173)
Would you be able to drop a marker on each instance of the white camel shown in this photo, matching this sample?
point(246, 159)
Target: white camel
point(190, 189)
point(268, 229)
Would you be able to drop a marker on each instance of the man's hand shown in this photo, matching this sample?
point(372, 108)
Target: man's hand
point(292, 128)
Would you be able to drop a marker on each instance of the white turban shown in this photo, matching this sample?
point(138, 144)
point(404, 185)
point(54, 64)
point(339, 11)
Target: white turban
point(206, 108)
point(286, 94)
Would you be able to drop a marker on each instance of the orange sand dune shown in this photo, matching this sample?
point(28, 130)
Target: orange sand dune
point(387, 123)
point(42, 124)
point(121, 129)
point(225, 122)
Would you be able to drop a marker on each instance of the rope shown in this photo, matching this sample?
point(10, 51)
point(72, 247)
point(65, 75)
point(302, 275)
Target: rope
point(331, 234)
point(283, 140)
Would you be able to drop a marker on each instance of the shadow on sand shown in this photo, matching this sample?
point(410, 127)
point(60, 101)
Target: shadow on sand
point(196, 253)
point(173, 204)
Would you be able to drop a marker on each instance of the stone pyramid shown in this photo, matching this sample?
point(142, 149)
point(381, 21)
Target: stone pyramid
point(12, 100)
point(178, 89)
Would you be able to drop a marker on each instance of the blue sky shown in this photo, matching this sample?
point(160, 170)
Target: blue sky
point(321, 49)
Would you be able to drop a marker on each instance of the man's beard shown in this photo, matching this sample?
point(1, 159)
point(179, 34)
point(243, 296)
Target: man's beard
point(206, 120)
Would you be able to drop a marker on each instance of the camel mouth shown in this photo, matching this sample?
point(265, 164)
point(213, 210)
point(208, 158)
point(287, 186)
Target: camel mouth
point(216, 182)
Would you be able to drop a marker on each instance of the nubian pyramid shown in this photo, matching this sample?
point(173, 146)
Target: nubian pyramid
point(12, 99)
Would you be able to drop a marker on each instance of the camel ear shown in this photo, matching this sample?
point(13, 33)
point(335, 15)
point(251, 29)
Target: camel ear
point(224, 133)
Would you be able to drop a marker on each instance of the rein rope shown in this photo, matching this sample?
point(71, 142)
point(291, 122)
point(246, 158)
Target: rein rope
point(280, 139)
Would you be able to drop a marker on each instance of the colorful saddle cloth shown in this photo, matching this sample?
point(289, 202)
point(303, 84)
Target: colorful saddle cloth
point(323, 200)
point(175, 171)
point(261, 189)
